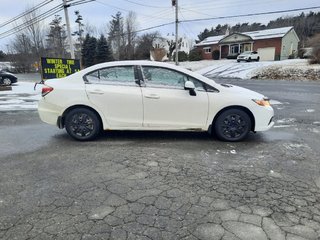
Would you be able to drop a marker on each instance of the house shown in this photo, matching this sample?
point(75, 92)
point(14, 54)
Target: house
point(271, 44)
point(161, 47)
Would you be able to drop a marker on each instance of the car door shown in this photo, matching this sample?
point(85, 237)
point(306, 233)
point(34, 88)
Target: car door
point(116, 93)
point(167, 105)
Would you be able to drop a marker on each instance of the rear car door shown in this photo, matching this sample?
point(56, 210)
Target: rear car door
point(116, 93)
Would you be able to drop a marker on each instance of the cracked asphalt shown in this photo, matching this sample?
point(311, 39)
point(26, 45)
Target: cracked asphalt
point(154, 185)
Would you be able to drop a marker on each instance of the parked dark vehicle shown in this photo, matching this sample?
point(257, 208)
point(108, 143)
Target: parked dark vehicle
point(7, 78)
point(232, 56)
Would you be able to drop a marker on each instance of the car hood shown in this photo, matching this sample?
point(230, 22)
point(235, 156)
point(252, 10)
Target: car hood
point(240, 91)
point(245, 54)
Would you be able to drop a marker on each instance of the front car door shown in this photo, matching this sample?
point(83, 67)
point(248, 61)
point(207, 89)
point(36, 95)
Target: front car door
point(115, 91)
point(167, 105)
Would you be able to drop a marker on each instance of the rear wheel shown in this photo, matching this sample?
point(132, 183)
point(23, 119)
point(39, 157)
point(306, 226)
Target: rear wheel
point(82, 124)
point(232, 125)
point(258, 59)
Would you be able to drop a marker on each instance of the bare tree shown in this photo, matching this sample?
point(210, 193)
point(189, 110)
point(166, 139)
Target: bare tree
point(35, 33)
point(22, 55)
point(130, 33)
point(144, 45)
point(28, 44)
point(172, 47)
point(314, 43)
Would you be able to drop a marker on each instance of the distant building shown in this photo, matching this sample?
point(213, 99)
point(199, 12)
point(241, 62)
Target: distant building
point(271, 44)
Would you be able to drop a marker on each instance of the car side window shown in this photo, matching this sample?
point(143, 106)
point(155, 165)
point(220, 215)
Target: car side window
point(198, 84)
point(120, 75)
point(163, 77)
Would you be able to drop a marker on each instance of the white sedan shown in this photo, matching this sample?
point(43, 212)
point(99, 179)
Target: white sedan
point(248, 56)
point(145, 95)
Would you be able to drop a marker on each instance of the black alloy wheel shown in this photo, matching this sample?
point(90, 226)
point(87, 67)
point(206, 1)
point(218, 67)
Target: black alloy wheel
point(82, 124)
point(232, 125)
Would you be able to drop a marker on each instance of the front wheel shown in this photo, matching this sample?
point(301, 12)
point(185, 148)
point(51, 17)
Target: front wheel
point(232, 125)
point(258, 59)
point(6, 81)
point(82, 124)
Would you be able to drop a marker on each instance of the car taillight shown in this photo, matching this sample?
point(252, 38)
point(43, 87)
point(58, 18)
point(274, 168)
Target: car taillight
point(46, 90)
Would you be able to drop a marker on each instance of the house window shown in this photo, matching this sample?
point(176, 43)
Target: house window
point(234, 49)
point(207, 50)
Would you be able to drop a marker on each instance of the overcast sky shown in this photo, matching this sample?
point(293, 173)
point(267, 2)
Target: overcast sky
point(152, 13)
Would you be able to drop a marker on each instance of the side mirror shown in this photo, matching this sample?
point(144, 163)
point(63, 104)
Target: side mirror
point(188, 85)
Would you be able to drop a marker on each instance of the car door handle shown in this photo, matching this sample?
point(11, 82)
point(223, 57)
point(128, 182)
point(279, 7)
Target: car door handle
point(96, 91)
point(152, 95)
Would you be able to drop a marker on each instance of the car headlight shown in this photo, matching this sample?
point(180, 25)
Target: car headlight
point(265, 102)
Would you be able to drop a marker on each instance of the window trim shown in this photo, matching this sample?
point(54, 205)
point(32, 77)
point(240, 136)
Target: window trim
point(136, 79)
point(206, 87)
point(207, 50)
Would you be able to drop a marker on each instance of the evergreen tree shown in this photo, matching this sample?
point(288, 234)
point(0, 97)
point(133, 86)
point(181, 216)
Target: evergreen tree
point(85, 51)
point(92, 51)
point(103, 52)
point(89, 51)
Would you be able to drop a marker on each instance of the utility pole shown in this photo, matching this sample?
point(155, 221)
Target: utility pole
point(65, 6)
point(175, 3)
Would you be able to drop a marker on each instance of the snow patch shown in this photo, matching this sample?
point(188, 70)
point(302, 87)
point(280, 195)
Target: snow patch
point(283, 126)
point(23, 96)
point(286, 120)
point(310, 110)
point(233, 152)
point(275, 102)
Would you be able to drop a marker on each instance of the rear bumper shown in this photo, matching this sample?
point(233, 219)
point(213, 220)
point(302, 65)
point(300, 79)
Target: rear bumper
point(49, 113)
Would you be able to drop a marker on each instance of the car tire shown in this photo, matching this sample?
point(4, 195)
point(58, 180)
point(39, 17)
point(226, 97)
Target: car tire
point(82, 124)
point(238, 61)
point(258, 59)
point(232, 125)
point(6, 81)
point(249, 60)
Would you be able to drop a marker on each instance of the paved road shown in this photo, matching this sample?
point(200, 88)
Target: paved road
point(134, 185)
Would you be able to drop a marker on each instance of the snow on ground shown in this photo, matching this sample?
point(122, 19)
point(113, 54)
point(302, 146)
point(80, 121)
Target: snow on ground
point(297, 69)
point(21, 97)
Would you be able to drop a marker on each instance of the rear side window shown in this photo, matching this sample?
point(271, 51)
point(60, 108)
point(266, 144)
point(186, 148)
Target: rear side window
point(120, 75)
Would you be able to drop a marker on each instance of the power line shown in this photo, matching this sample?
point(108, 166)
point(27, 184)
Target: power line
point(250, 14)
point(37, 19)
point(26, 13)
point(144, 5)
point(40, 17)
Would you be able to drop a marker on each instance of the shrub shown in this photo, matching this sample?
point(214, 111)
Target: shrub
point(314, 42)
point(315, 58)
point(216, 54)
point(195, 55)
point(183, 56)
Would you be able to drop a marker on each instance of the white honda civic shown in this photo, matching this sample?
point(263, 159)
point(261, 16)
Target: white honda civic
point(145, 95)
